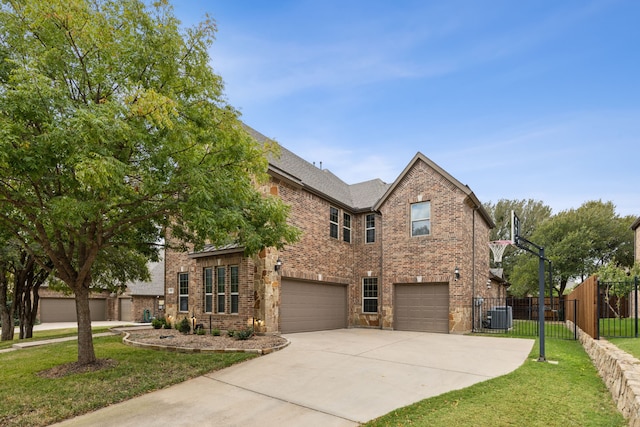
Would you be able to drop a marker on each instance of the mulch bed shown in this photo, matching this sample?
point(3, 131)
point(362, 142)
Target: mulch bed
point(77, 368)
point(173, 338)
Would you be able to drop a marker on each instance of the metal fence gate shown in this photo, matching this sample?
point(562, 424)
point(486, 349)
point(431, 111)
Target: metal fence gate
point(617, 307)
point(519, 316)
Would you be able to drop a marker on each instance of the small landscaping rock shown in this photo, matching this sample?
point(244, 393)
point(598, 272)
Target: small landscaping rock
point(206, 341)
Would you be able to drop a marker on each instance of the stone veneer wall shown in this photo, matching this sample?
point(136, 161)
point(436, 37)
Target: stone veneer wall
point(620, 372)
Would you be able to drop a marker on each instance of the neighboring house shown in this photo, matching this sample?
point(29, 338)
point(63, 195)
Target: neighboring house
point(139, 302)
point(408, 255)
point(142, 300)
point(636, 239)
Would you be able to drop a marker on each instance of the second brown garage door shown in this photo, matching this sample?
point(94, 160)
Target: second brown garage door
point(312, 306)
point(422, 307)
point(64, 309)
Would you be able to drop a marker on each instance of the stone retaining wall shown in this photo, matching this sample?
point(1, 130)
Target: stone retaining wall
point(620, 372)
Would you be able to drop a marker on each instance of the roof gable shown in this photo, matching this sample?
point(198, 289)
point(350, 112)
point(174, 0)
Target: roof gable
point(419, 157)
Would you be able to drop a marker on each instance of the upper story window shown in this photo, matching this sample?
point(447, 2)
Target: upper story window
point(183, 291)
point(421, 219)
point(208, 290)
point(346, 227)
point(333, 222)
point(370, 228)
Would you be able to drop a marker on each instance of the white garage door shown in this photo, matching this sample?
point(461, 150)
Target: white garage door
point(422, 307)
point(64, 309)
point(312, 306)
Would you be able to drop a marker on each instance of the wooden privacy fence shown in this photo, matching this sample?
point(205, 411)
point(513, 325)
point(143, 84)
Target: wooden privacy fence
point(587, 296)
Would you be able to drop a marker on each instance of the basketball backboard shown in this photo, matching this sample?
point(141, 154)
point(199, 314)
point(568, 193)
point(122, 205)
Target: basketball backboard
point(515, 227)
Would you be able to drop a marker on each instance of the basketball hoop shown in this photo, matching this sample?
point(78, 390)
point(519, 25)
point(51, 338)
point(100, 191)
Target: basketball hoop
point(497, 248)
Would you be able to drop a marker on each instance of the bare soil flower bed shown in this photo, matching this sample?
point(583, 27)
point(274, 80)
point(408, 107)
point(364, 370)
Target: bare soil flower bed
point(174, 338)
point(61, 371)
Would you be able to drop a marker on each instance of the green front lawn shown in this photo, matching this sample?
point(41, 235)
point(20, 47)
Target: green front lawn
point(537, 394)
point(26, 399)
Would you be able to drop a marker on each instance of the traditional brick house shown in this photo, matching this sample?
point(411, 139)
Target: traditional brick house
point(408, 255)
point(140, 301)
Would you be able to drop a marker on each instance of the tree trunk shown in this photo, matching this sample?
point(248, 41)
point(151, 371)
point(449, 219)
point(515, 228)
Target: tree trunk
point(6, 312)
point(86, 353)
point(29, 312)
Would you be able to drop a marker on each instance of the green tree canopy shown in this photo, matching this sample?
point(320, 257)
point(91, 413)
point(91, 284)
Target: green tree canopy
point(578, 242)
point(531, 214)
point(113, 126)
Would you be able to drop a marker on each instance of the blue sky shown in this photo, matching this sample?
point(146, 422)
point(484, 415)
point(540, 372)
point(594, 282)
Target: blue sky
point(517, 99)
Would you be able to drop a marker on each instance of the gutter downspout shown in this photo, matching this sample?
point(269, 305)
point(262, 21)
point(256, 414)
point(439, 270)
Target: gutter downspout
point(380, 314)
point(473, 252)
point(473, 267)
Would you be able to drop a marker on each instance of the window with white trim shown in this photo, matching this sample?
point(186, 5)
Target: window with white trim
point(370, 228)
point(220, 289)
point(208, 290)
point(333, 222)
point(183, 291)
point(235, 295)
point(346, 227)
point(421, 219)
point(370, 295)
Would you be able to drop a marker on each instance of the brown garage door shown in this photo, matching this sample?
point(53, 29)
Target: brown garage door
point(64, 309)
point(422, 307)
point(126, 309)
point(312, 306)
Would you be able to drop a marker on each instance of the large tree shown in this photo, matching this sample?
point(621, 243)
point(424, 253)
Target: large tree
point(21, 275)
point(531, 214)
point(578, 242)
point(113, 125)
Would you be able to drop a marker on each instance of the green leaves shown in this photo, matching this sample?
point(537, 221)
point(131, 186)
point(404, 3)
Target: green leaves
point(112, 123)
point(578, 242)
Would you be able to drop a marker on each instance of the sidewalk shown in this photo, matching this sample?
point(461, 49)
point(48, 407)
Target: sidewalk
point(66, 325)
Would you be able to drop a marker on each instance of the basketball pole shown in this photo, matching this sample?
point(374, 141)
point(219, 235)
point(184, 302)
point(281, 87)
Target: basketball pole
point(541, 288)
point(542, 357)
point(526, 245)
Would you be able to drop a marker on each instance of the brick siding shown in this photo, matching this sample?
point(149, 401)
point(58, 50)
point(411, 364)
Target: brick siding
point(395, 257)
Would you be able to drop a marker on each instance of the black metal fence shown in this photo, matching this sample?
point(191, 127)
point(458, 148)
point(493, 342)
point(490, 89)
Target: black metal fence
point(519, 317)
point(617, 307)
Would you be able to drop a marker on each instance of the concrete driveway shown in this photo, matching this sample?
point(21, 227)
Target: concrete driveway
point(329, 378)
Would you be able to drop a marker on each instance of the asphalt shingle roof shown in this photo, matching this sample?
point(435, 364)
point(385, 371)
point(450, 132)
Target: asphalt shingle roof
point(153, 287)
point(360, 196)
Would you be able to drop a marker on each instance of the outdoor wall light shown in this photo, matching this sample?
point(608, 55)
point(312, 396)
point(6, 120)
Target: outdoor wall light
point(456, 273)
point(278, 265)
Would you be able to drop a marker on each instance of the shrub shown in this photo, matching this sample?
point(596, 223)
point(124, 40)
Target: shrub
point(215, 332)
point(184, 326)
point(230, 333)
point(200, 331)
point(157, 323)
point(243, 334)
point(167, 324)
